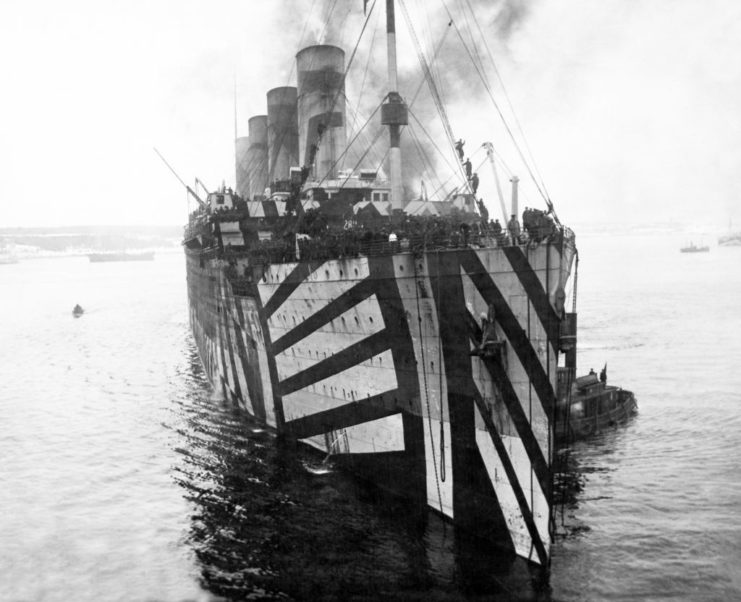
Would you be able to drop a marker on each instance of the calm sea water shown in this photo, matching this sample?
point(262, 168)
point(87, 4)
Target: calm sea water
point(123, 477)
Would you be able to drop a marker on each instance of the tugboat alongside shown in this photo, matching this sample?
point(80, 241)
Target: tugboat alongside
point(343, 312)
point(589, 405)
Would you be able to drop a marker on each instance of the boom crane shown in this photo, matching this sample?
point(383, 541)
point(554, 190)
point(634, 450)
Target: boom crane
point(188, 188)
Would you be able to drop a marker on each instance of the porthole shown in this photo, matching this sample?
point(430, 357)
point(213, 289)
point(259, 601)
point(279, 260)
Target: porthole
point(370, 319)
point(326, 273)
point(401, 268)
point(356, 320)
point(341, 273)
point(356, 271)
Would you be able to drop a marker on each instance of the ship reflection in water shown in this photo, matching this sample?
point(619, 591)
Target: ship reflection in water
point(272, 519)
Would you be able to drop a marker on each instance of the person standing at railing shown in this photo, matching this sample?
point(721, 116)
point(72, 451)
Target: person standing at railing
point(514, 228)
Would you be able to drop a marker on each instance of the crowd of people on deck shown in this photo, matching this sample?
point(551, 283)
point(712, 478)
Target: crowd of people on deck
point(312, 236)
point(413, 233)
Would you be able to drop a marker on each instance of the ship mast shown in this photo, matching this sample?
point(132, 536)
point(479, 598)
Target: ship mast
point(394, 112)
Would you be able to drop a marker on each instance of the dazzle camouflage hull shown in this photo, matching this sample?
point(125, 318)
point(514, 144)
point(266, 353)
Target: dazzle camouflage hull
point(373, 359)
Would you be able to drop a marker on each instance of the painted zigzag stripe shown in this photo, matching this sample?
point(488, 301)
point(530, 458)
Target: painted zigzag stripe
point(261, 402)
point(522, 502)
point(347, 358)
point(516, 412)
point(292, 281)
point(231, 367)
point(329, 312)
point(535, 291)
point(512, 330)
point(344, 416)
point(380, 282)
point(470, 475)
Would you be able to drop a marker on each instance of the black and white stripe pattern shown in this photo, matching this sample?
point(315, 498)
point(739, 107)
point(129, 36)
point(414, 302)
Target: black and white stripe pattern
point(369, 359)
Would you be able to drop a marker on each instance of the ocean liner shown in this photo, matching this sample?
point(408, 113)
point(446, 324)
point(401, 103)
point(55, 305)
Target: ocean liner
point(414, 340)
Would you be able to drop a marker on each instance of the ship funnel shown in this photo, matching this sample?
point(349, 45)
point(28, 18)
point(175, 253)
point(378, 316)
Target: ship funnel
point(282, 132)
point(257, 155)
point(321, 108)
point(241, 147)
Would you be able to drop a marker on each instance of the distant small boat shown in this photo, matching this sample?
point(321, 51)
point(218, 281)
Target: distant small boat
point(77, 311)
point(591, 406)
point(693, 248)
point(732, 239)
point(102, 257)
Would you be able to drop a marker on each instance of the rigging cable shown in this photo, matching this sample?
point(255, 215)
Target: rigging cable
point(478, 167)
point(487, 87)
point(362, 157)
point(284, 133)
point(440, 371)
point(435, 145)
point(424, 380)
point(514, 114)
point(436, 97)
point(327, 20)
point(428, 167)
point(344, 77)
point(365, 76)
point(347, 147)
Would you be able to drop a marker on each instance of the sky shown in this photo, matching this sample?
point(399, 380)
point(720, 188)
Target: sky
point(630, 107)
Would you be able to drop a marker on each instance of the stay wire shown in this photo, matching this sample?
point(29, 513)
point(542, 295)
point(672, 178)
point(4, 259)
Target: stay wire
point(511, 107)
point(429, 168)
point(365, 76)
point(430, 79)
point(362, 158)
point(443, 472)
point(344, 75)
point(487, 87)
point(454, 171)
point(424, 381)
point(348, 146)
